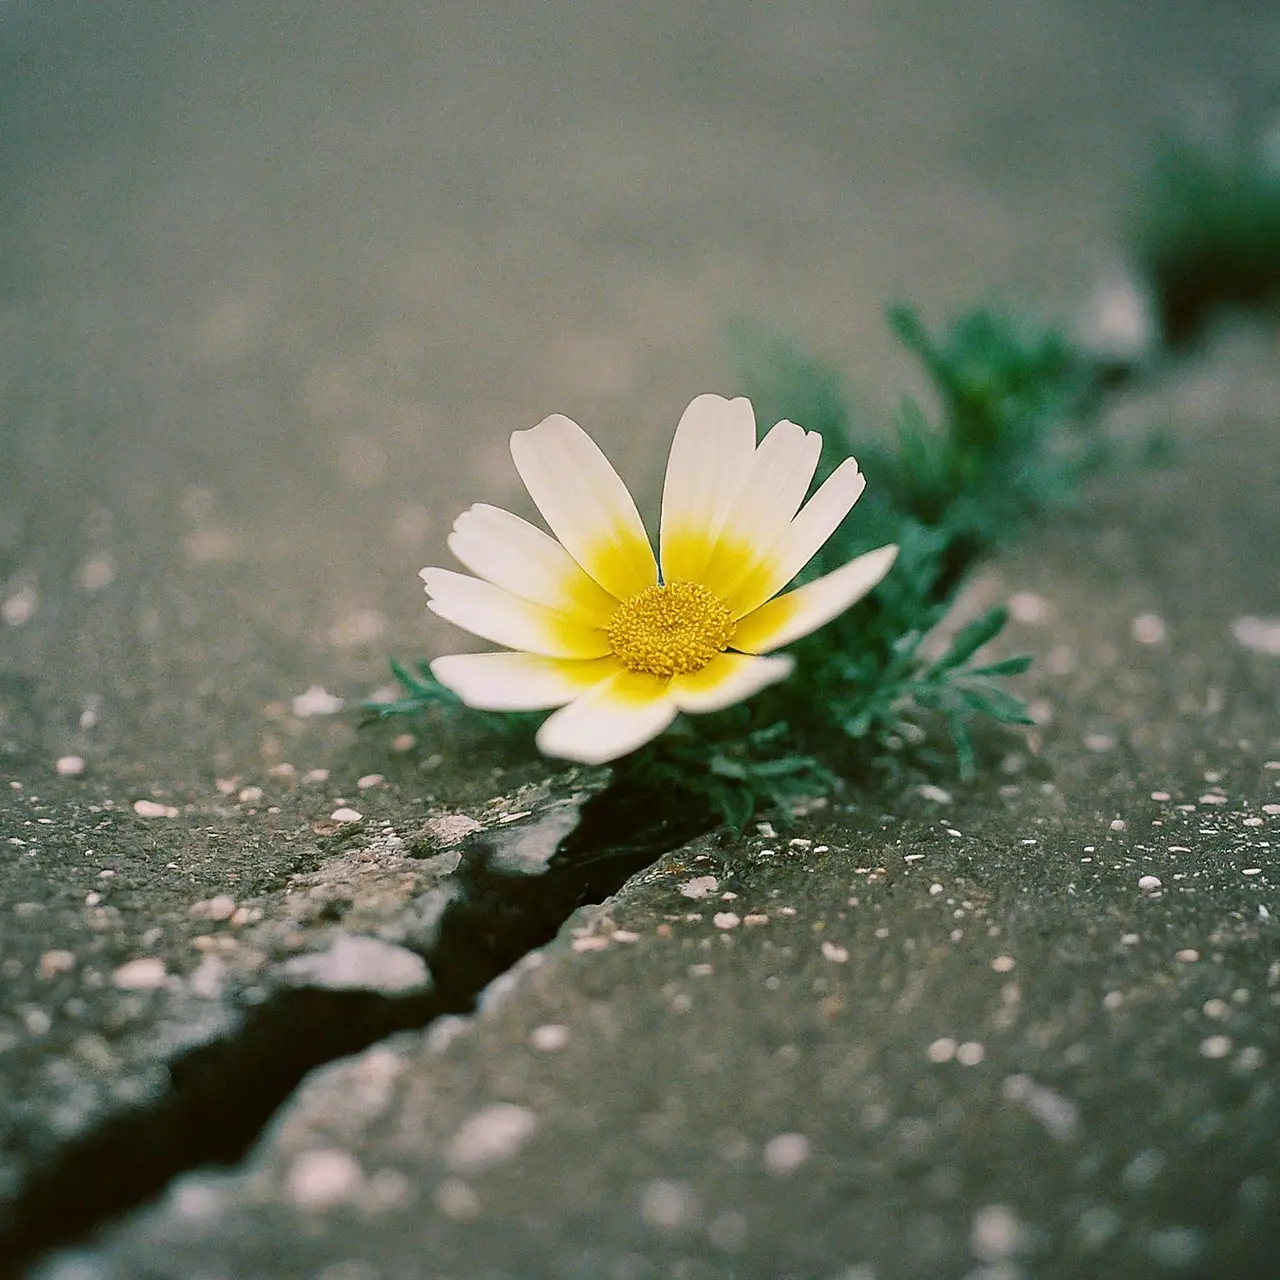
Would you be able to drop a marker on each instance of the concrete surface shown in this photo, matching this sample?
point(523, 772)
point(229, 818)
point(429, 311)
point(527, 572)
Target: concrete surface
point(275, 286)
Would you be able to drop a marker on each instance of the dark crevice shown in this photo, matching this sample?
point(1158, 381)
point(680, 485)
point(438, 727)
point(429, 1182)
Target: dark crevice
point(222, 1094)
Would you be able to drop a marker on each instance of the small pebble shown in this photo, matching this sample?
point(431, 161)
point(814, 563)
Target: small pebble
point(250, 795)
point(835, 953)
point(1003, 964)
point(491, 1136)
point(146, 973)
point(549, 1037)
point(1028, 608)
point(1150, 884)
point(403, 742)
point(70, 766)
point(317, 1180)
point(699, 887)
point(941, 1050)
point(995, 1233)
point(316, 702)
point(345, 814)
point(970, 1053)
point(55, 962)
point(726, 920)
point(785, 1153)
point(930, 792)
point(370, 780)
point(153, 809)
point(1148, 628)
point(222, 907)
point(1188, 955)
point(1215, 1046)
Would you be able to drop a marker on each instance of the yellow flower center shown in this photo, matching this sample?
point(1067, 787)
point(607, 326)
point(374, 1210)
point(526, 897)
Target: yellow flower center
point(670, 630)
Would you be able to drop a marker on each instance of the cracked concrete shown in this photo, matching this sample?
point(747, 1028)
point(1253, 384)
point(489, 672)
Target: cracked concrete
point(274, 289)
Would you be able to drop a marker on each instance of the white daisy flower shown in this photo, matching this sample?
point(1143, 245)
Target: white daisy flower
point(590, 624)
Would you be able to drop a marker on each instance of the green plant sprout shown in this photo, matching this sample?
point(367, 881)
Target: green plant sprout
point(1013, 436)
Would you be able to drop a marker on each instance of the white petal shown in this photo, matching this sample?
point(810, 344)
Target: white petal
point(729, 678)
point(787, 618)
point(817, 521)
point(585, 504)
point(710, 459)
point(504, 618)
point(779, 478)
point(618, 715)
point(512, 553)
point(519, 681)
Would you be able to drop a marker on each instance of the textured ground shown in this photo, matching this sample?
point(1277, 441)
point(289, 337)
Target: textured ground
point(274, 289)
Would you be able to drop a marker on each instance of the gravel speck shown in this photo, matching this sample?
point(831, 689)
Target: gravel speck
point(784, 1154)
point(316, 702)
point(1214, 1047)
point(153, 809)
point(146, 973)
point(317, 1180)
point(493, 1135)
point(549, 1037)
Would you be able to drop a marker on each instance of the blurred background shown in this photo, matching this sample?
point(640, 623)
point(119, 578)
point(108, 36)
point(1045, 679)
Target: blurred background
point(278, 280)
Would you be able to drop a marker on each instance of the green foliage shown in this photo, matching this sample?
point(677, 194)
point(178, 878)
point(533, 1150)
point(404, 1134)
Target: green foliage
point(1011, 439)
point(1206, 231)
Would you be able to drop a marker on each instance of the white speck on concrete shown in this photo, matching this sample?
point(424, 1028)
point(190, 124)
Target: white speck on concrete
point(549, 1037)
point(346, 814)
point(1214, 1047)
point(1261, 635)
point(493, 1135)
point(1028, 608)
point(726, 920)
point(785, 1153)
point(318, 1180)
point(223, 907)
point(1058, 1114)
point(995, 1233)
point(668, 1206)
point(941, 1050)
point(19, 608)
point(699, 887)
point(928, 791)
point(146, 973)
point(1148, 628)
point(316, 702)
point(353, 962)
point(1150, 884)
point(456, 1200)
point(69, 766)
point(153, 809)
point(834, 952)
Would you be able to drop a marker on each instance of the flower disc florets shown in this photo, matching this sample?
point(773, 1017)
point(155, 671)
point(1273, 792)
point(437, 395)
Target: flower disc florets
point(670, 630)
